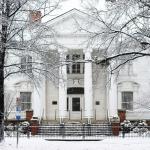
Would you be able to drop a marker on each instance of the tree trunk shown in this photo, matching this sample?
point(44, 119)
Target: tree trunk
point(1, 99)
point(5, 13)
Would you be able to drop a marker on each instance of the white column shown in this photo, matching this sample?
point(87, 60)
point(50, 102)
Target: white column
point(38, 98)
point(62, 87)
point(112, 102)
point(88, 90)
point(44, 101)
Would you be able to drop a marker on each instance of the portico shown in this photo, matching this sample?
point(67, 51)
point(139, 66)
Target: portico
point(79, 104)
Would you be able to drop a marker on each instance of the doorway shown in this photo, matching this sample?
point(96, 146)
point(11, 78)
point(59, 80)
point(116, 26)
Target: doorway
point(75, 107)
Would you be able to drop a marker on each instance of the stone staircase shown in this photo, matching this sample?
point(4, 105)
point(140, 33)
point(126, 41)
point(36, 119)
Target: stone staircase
point(75, 129)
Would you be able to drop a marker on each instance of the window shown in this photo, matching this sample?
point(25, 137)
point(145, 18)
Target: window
point(25, 98)
point(68, 66)
point(97, 103)
point(54, 102)
point(67, 104)
point(76, 104)
point(127, 100)
point(26, 64)
point(75, 90)
point(75, 66)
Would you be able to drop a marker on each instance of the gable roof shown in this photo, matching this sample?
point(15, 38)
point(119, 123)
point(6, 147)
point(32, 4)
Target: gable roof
point(71, 12)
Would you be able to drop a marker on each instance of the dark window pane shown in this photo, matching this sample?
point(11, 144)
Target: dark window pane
point(75, 66)
point(23, 63)
point(68, 66)
point(75, 90)
point(68, 69)
point(97, 103)
point(29, 65)
point(75, 57)
point(78, 67)
point(54, 102)
point(67, 103)
point(75, 104)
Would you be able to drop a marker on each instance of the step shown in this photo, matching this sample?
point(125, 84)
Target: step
point(75, 129)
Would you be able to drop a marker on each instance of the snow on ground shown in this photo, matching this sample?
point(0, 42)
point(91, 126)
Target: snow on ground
point(39, 143)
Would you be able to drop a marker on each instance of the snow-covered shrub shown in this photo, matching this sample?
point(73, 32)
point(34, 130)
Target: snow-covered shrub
point(24, 127)
point(126, 126)
point(140, 127)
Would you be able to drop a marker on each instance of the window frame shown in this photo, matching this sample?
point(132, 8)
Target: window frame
point(127, 104)
point(75, 67)
point(26, 64)
point(25, 103)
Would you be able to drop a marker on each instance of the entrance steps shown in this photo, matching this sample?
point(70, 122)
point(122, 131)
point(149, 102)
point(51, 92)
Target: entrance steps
point(75, 129)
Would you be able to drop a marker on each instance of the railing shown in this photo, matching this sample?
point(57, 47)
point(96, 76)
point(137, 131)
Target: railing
point(74, 115)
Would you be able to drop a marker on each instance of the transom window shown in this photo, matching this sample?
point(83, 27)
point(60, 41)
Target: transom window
point(127, 100)
point(25, 98)
point(26, 64)
point(75, 90)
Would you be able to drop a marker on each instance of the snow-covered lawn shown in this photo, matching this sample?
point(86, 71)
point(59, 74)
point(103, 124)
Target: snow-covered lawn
point(39, 143)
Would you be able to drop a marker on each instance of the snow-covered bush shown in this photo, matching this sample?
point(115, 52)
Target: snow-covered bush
point(126, 126)
point(140, 127)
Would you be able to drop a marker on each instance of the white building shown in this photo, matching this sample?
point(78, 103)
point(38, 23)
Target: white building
point(83, 93)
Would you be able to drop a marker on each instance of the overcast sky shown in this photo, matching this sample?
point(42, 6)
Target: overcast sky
point(79, 4)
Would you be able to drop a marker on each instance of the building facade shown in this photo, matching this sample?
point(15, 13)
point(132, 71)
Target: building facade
point(83, 92)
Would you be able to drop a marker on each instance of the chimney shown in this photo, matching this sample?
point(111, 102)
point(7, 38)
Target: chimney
point(35, 16)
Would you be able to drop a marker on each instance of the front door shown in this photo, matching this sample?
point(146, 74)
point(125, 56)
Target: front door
point(75, 106)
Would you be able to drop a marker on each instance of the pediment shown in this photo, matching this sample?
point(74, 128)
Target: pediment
point(73, 22)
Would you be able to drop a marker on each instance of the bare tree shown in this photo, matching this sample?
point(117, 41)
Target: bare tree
point(9, 104)
point(124, 31)
point(22, 36)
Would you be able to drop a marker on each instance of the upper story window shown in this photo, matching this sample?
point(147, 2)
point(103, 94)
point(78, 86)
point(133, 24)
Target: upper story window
point(25, 98)
point(26, 64)
point(127, 100)
point(75, 67)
